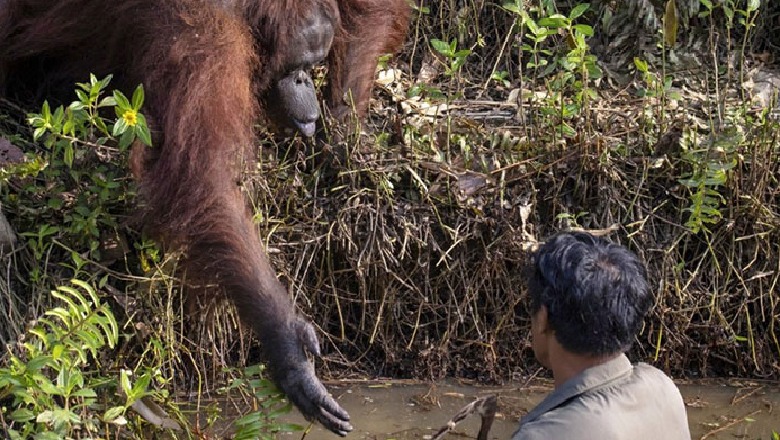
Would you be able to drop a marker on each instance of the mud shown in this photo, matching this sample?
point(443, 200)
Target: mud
point(399, 410)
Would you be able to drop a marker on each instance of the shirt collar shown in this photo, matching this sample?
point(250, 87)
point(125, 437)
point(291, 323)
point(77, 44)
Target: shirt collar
point(589, 379)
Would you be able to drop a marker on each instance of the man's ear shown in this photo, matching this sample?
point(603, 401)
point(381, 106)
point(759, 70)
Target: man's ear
point(542, 320)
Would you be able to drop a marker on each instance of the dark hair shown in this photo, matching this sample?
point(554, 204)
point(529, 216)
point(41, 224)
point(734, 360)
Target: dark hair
point(596, 292)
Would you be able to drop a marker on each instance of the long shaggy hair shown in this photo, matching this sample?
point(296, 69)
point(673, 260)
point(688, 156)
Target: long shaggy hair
point(204, 65)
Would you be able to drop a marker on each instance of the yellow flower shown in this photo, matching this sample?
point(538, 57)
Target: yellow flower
point(130, 116)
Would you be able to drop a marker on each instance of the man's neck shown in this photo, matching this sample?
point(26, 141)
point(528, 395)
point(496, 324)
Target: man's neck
point(565, 364)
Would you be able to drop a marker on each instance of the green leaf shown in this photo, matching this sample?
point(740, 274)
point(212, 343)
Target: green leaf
point(138, 97)
point(101, 124)
point(531, 24)
point(83, 211)
point(110, 329)
point(108, 101)
point(124, 381)
point(280, 411)
point(139, 389)
point(89, 290)
point(105, 81)
point(90, 340)
point(45, 417)
point(554, 21)
point(57, 118)
point(48, 435)
point(142, 130)
point(63, 418)
point(68, 154)
point(57, 351)
point(112, 413)
point(126, 139)
point(39, 362)
point(584, 29)
point(579, 10)
point(38, 133)
point(441, 47)
point(46, 111)
point(22, 415)
point(120, 127)
point(40, 333)
point(641, 65)
point(83, 97)
point(66, 294)
point(47, 386)
point(61, 313)
point(35, 120)
point(85, 393)
point(287, 427)
point(512, 7)
point(121, 101)
point(76, 106)
point(69, 127)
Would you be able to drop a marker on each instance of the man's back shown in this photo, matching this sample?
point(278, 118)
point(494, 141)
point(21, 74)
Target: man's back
point(611, 401)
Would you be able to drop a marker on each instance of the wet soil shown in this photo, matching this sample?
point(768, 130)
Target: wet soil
point(717, 410)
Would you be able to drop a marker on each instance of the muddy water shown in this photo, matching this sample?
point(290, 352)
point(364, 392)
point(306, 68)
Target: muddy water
point(392, 410)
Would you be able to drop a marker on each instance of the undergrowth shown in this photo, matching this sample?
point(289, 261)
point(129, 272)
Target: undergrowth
point(404, 244)
point(63, 379)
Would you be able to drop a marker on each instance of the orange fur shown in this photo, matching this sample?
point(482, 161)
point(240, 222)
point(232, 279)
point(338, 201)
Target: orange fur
point(370, 28)
point(204, 64)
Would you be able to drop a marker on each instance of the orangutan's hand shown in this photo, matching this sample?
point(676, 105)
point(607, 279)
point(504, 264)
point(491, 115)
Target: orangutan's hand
point(293, 372)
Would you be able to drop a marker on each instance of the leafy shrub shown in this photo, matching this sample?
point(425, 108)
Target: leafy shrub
point(52, 382)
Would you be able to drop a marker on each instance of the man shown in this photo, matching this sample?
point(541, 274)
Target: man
point(588, 299)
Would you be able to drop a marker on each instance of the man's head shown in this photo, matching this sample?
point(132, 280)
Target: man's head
point(594, 294)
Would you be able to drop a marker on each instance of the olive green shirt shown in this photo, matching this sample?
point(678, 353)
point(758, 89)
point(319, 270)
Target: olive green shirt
point(612, 401)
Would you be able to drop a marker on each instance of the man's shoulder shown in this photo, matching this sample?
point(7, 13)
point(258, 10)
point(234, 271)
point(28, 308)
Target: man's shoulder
point(648, 369)
point(587, 414)
point(645, 384)
point(621, 408)
point(571, 423)
point(654, 380)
